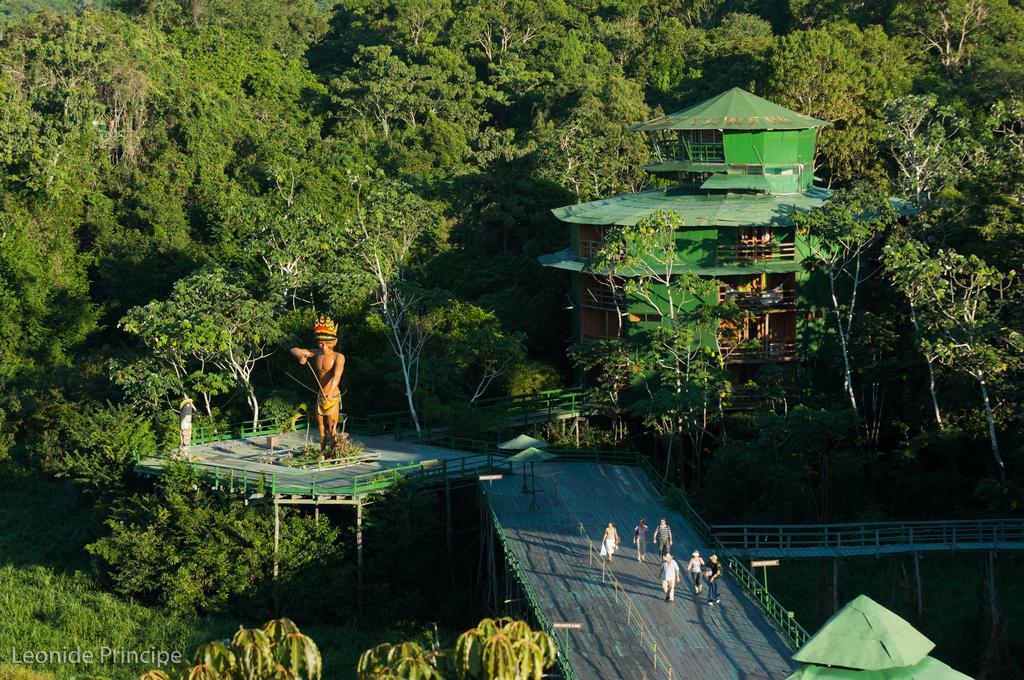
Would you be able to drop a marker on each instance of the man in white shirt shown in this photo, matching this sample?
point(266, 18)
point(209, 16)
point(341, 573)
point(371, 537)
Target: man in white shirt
point(669, 577)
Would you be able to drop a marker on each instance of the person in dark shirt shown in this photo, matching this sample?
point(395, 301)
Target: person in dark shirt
point(640, 540)
point(663, 535)
point(714, 574)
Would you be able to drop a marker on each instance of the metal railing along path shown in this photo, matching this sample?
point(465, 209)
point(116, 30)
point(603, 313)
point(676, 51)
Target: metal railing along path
point(562, 660)
point(951, 534)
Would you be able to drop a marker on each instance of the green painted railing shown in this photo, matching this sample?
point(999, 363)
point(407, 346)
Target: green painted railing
point(563, 660)
point(328, 483)
point(204, 434)
point(781, 618)
point(952, 534)
point(523, 409)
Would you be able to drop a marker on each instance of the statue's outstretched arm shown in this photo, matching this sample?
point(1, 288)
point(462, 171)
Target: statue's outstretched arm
point(301, 354)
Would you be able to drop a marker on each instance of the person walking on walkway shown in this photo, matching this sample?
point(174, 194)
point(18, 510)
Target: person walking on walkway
point(640, 540)
point(669, 577)
point(610, 541)
point(695, 567)
point(714, 573)
point(663, 535)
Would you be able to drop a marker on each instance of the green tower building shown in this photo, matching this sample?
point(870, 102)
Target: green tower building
point(740, 168)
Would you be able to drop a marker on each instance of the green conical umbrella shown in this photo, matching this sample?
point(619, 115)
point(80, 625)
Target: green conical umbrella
point(521, 442)
point(929, 668)
point(531, 455)
point(864, 635)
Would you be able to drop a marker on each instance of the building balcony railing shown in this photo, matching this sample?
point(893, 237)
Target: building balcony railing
point(740, 253)
point(763, 350)
point(602, 298)
point(760, 300)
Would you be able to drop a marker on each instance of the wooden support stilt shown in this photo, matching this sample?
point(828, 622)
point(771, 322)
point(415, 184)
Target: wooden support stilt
point(990, 573)
point(359, 556)
point(917, 579)
point(277, 533)
point(448, 527)
point(482, 540)
point(316, 513)
point(835, 585)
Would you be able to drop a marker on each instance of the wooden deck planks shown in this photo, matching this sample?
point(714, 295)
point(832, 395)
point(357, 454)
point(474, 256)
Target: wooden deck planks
point(729, 641)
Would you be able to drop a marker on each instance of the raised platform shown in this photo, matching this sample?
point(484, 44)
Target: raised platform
point(241, 464)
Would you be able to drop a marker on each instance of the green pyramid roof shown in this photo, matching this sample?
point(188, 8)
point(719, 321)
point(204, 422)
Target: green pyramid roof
point(928, 668)
point(864, 635)
point(734, 109)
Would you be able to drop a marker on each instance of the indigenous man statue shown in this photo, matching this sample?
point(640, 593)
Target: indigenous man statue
point(327, 366)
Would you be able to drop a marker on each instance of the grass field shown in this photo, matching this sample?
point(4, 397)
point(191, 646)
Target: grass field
point(955, 613)
point(50, 600)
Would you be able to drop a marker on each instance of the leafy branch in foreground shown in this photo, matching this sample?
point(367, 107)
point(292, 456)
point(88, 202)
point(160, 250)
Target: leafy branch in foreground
point(497, 649)
point(277, 651)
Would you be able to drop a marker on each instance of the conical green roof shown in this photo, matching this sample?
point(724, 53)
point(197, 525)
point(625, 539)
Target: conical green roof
point(928, 668)
point(734, 109)
point(864, 635)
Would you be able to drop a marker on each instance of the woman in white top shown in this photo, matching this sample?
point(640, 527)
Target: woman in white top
point(610, 541)
point(695, 567)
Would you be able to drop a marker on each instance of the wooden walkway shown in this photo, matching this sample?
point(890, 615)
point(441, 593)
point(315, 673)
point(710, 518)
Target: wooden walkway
point(731, 640)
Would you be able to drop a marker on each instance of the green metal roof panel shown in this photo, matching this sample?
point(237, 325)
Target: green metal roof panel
point(929, 668)
point(865, 635)
point(725, 181)
point(735, 109)
point(565, 259)
point(696, 210)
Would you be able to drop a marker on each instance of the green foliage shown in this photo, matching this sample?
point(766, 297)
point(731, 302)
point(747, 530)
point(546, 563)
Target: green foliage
point(194, 551)
point(277, 651)
point(845, 75)
point(496, 649)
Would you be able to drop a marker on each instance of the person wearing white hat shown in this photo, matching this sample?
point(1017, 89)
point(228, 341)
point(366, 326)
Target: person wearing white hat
point(695, 567)
point(669, 577)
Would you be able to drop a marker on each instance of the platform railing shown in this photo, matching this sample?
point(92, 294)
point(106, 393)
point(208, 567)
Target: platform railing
point(951, 533)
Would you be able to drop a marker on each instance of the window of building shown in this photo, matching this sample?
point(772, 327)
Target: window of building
point(703, 146)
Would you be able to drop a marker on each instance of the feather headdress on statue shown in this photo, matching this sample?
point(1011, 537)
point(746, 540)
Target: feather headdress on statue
point(325, 328)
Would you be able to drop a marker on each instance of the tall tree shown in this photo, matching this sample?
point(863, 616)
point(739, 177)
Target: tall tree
point(964, 302)
point(841, 237)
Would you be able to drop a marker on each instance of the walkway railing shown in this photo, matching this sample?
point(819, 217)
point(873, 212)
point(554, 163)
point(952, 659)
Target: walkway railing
point(954, 534)
point(563, 660)
point(204, 434)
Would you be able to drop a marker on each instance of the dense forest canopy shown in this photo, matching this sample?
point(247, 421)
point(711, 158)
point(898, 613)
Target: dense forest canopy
point(182, 180)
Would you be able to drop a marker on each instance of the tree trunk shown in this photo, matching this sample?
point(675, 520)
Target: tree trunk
point(254, 404)
point(992, 430)
point(847, 375)
point(409, 395)
point(931, 371)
